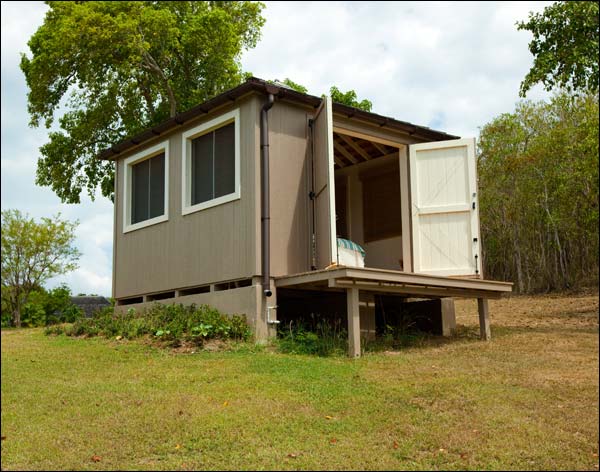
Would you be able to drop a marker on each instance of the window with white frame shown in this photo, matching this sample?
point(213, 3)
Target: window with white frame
point(146, 188)
point(211, 163)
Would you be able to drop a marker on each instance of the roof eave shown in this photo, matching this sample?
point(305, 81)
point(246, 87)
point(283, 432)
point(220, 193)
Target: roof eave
point(254, 84)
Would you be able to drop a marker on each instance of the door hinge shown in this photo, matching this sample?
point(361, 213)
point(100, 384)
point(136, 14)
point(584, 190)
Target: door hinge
point(476, 264)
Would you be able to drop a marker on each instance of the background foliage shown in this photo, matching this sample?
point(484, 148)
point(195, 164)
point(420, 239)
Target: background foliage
point(121, 67)
point(45, 307)
point(345, 98)
point(538, 180)
point(564, 46)
point(32, 253)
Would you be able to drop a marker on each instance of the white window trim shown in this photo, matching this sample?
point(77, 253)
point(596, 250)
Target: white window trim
point(127, 186)
point(186, 175)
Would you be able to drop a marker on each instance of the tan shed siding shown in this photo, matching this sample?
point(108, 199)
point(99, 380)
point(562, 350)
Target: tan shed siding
point(206, 246)
point(290, 185)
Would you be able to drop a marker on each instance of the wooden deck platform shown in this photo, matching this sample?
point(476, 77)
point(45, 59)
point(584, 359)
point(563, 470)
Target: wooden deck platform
point(391, 281)
point(353, 279)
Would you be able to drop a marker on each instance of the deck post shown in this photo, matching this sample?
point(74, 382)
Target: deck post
point(484, 319)
point(353, 322)
point(448, 315)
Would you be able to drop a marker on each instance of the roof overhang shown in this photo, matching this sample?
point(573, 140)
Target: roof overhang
point(256, 85)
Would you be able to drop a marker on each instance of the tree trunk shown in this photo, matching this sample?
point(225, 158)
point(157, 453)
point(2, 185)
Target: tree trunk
point(153, 65)
point(561, 259)
point(17, 315)
point(518, 263)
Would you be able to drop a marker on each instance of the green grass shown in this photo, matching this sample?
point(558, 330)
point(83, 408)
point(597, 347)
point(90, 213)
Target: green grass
point(527, 400)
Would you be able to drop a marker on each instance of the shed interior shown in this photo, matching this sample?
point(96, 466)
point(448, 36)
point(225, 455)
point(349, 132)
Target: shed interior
point(368, 199)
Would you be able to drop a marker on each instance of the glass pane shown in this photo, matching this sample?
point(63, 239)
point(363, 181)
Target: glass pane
point(225, 160)
point(202, 169)
point(157, 186)
point(139, 191)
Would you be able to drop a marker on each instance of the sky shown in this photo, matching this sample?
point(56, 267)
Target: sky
point(451, 66)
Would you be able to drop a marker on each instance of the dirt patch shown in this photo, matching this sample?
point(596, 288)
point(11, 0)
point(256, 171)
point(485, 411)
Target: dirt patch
point(212, 345)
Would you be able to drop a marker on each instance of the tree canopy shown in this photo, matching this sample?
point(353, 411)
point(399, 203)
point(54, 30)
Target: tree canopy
point(349, 98)
point(538, 183)
point(564, 46)
point(293, 85)
point(32, 253)
point(346, 98)
point(121, 67)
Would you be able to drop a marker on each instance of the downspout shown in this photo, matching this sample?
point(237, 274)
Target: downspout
point(265, 218)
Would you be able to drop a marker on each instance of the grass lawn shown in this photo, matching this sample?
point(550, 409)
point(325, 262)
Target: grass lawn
point(527, 400)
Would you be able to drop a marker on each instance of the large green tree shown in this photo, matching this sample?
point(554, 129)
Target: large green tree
point(538, 181)
point(564, 46)
point(120, 67)
point(32, 253)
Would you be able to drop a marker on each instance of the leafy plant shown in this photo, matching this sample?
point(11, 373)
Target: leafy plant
point(324, 338)
point(202, 330)
point(171, 324)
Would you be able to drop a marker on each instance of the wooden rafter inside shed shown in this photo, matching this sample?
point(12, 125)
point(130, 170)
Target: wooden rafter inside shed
point(349, 150)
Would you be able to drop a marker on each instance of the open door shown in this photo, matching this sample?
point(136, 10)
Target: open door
point(324, 186)
point(445, 215)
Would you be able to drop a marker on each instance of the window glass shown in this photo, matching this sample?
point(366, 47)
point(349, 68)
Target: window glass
point(139, 192)
point(224, 160)
point(157, 186)
point(213, 164)
point(202, 169)
point(148, 189)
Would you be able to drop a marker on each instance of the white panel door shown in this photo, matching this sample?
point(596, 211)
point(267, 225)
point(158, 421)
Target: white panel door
point(324, 186)
point(445, 214)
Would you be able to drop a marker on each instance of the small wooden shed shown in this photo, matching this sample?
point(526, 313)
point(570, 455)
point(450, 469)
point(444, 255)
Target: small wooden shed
point(250, 196)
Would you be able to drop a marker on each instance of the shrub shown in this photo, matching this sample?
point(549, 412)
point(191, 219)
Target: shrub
point(33, 313)
point(328, 337)
point(394, 338)
point(170, 324)
point(324, 338)
point(46, 307)
point(54, 329)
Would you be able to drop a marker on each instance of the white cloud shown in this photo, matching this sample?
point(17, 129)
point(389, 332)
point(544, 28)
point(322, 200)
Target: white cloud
point(450, 66)
point(19, 21)
point(416, 61)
